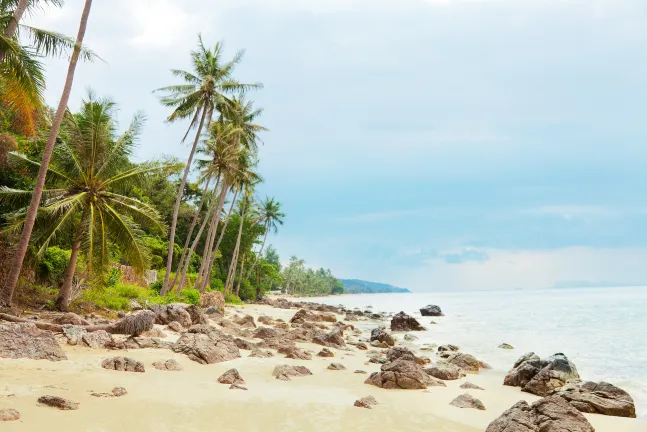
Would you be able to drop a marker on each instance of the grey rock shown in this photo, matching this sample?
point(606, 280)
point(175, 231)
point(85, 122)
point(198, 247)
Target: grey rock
point(284, 372)
point(598, 398)
point(431, 310)
point(25, 340)
point(366, 402)
point(467, 401)
point(206, 345)
point(469, 385)
point(445, 371)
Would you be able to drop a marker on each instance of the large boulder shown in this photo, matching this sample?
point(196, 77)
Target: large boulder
point(550, 414)
point(380, 335)
point(466, 400)
point(172, 312)
point(598, 398)
point(25, 340)
point(206, 345)
point(334, 339)
point(96, 339)
point(197, 316)
point(400, 374)
point(445, 371)
point(541, 377)
point(213, 299)
point(431, 310)
point(464, 361)
point(524, 369)
point(404, 322)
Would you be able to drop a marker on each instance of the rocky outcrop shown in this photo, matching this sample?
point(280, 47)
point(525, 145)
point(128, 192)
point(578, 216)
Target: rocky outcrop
point(213, 299)
point(550, 414)
point(598, 398)
point(540, 377)
point(172, 312)
point(445, 371)
point(466, 362)
point(366, 402)
point(206, 345)
point(304, 315)
point(284, 372)
point(431, 310)
point(400, 374)
point(404, 322)
point(9, 414)
point(197, 316)
point(469, 385)
point(334, 339)
point(58, 402)
point(124, 364)
point(25, 340)
point(336, 366)
point(168, 365)
point(380, 335)
point(70, 318)
point(231, 377)
point(466, 400)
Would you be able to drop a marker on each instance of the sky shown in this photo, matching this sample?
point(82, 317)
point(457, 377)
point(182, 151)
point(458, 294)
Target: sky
point(430, 144)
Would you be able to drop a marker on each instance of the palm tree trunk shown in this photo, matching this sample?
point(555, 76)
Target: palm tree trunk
point(231, 271)
point(63, 299)
point(193, 224)
point(258, 256)
point(240, 277)
point(6, 295)
point(234, 263)
point(10, 31)
point(178, 202)
point(203, 275)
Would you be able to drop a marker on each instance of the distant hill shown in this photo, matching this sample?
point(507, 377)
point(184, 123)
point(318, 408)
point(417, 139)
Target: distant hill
point(356, 286)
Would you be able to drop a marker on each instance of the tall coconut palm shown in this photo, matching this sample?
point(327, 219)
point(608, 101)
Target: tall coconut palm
point(205, 90)
point(271, 216)
point(90, 178)
point(10, 285)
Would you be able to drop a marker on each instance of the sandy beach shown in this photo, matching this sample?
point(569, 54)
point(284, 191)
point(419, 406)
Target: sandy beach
point(193, 400)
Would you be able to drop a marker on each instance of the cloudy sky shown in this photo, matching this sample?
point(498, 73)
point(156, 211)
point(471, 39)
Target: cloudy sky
point(431, 144)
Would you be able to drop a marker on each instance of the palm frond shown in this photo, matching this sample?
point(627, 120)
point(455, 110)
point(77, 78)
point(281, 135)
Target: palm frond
point(49, 43)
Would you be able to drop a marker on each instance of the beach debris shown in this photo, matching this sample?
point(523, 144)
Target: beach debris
point(214, 299)
point(448, 347)
point(403, 322)
point(431, 310)
point(467, 401)
point(246, 321)
point(334, 339)
point(336, 366)
point(25, 340)
point(469, 385)
point(325, 352)
point(125, 364)
point(9, 414)
point(206, 345)
point(366, 402)
point(168, 365)
point(70, 318)
point(445, 371)
point(541, 376)
point(550, 414)
point(380, 335)
point(284, 372)
point(400, 374)
point(58, 402)
point(598, 398)
point(237, 387)
point(175, 326)
point(231, 377)
point(467, 362)
point(506, 346)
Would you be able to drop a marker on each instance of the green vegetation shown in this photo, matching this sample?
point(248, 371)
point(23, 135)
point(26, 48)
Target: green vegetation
point(303, 281)
point(356, 286)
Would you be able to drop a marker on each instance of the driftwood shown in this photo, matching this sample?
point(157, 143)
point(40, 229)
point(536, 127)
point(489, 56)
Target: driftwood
point(134, 324)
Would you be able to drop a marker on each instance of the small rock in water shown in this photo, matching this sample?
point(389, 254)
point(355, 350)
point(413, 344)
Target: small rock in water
point(9, 414)
point(366, 402)
point(467, 401)
point(469, 385)
point(506, 346)
point(58, 402)
point(336, 366)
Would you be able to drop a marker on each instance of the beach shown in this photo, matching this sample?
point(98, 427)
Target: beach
point(193, 399)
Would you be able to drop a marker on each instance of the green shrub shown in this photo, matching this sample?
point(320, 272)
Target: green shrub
point(113, 277)
point(156, 286)
point(129, 291)
point(233, 298)
point(54, 264)
point(191, 296)
point(216, 284)
point(247, 291)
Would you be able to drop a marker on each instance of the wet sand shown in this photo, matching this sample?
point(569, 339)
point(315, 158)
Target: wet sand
point(193, 400)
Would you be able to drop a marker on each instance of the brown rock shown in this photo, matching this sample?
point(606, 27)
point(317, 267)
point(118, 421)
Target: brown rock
point(197, 316)
point(469, 385)
point(24, 340)
point(175, 326)
point(284, 372)
point(243, 344)
point(381, 336)
point(448, 347)
point(70, 318)
point(168, 365)
point(58, 402)
point(125, 364)
point(259, 353)
point(325, 352)
point(598, 398)
point(246, 321)
point(265, 333)
point(213, 299)
point(506, 346)
point(263, 319)
point(119, 392)
point(467, 401)
point(400, 374)
point(445, 371)
point(9, 414)
point(524, 369)
point(366, 402)
point(154, 333)
point(404, 322)
point(466, 362)
point(359, 371)
point(172, 312)
point(336, 366)
point(206, 345)
point(553, 376)
point(293, 352)
point(231, 377)
point(334, 339)
point(237, 387)
point(97, 339)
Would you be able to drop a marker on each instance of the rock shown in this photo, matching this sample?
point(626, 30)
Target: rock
point(58, 402)
point(263, 319)
point(25, 340)
point(467, 362)
point(469, 385)
point(410, 337)
point(431, 310)
point(246, 321)
point(119, 391)
point(400, 374)
point(9, 414)
point(212, 311)
point(360, 346)
point(206, 345)
point(172, 312)
point(70, 318)
point(134, 305)
point(598, 398)
point(125, 364)
point(524, 370)
point(325, 352)
point(175, 326)
point(467, 401)
point(213, 299)
point(506, 346)
point(336, 366)
point(404, 322)
point(168, 365)
point(231, 377)
point(428, 347)
point(282, 325)
point(137, 342)
point(243, 344)
point(259, 353)
point(197, 316)
point(265, 333)
point(237, 387)
point(284, 372)
point(445, 371)
point(378, 344)
point(293, 352)
point(405, 353)
point(96, 339)
point(154, 333)
point(74, 334)
point(550, 414)
point(448, 347)
point(359, 371)
point(366, 402)
point(334, 339)
point(553, 376)
point(379, 334)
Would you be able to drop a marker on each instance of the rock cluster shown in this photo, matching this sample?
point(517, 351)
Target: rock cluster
point(598, 398)
point(334, 339)
point(541, 376)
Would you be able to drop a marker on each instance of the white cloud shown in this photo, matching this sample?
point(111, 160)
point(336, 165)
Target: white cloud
point(161, 24)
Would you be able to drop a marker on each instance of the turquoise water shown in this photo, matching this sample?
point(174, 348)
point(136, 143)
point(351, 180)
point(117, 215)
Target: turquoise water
point(603, 330)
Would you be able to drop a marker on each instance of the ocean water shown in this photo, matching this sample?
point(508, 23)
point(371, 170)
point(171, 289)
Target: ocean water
point(602, 330)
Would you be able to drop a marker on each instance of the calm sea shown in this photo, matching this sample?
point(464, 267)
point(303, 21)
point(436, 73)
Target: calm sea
point(602, 330)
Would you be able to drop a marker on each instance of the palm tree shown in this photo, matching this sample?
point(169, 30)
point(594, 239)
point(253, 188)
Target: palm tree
point(89, 182)
point(271, 217)
point(7, 293)
point(204, 91)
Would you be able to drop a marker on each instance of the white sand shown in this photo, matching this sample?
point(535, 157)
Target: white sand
point(192, 400)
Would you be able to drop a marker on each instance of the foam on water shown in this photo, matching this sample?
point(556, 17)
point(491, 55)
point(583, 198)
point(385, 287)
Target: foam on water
point(601, 330)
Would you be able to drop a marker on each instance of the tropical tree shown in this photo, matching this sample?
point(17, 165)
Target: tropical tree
point(205, 90)
point(7, 293)
point(88, 184)
point(271, 216)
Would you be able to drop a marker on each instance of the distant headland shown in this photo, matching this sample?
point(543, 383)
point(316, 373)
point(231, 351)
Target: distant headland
point(356, 286)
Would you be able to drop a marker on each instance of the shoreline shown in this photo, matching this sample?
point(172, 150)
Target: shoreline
point(193, 400)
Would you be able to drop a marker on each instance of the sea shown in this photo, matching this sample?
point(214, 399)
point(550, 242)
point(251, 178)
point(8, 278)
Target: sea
point(603, 331)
